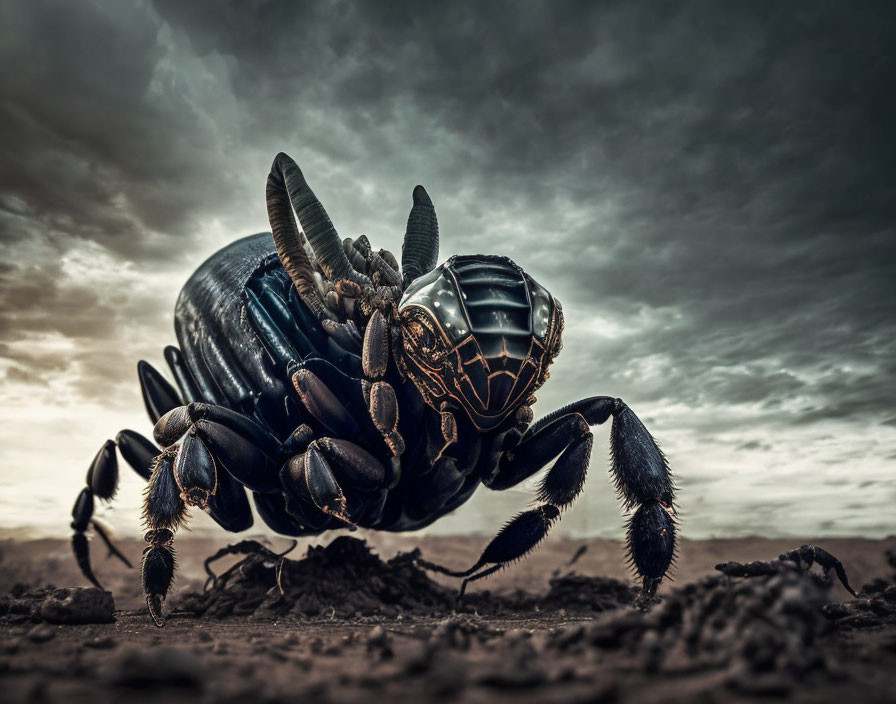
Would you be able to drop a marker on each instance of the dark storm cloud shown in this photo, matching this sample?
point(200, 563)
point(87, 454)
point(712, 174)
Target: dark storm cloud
point(100, 143)
point(715, 182)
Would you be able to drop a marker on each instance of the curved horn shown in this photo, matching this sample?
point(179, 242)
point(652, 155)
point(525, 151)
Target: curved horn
point(319, 230)
point(420, 251)
point(290, 243)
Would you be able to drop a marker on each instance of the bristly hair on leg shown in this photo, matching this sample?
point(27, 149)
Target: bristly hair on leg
point(163, 506)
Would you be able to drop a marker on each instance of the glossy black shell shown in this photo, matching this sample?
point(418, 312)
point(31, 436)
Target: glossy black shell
point(233, 365)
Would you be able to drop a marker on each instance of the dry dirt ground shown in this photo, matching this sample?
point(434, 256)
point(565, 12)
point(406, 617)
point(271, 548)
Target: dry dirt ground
point(355, 622)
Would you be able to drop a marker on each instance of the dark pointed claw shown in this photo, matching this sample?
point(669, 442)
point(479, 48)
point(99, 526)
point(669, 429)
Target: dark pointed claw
point(81, 548)
point(323, 487)
point(158, 572)
point(154, 604)
point(651, 537)
point(518, 536)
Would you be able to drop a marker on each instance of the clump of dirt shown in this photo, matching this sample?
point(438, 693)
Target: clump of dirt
point(342, 580)
point(346, 579)
point(74, 605)
point(350, 627)
point(764, 633)
point(874, 607)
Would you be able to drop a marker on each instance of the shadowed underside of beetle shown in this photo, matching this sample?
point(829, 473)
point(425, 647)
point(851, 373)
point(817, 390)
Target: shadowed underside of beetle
point(342, 389)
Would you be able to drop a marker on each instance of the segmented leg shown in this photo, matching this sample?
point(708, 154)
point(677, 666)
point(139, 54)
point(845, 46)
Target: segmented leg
point(639, 468)
point(320, 473)
point(164, 508)
point(379, 394)
point(246, 547)
point(811, 554)
point(102, 483)
point(215, 439)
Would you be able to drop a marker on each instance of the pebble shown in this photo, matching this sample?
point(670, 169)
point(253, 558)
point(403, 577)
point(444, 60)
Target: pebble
point(78, 605)
point(41, 633)
point(100, 643)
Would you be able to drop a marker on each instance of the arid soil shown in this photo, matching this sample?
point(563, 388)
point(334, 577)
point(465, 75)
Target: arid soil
point(356, 622)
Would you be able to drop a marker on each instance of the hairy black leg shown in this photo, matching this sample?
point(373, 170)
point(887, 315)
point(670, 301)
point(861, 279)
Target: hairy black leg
point(163, 511)
point(642, 478)
point(246, 547)
point(158, 395)
point(184, 476)
point(158, 571)
point(569, 436)
point(520, 535)
point(638, 465)
point(595, 410)
point(235, 441)
point(82, 512)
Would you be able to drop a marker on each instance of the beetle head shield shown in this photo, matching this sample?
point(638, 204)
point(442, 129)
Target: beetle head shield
point(478, 333)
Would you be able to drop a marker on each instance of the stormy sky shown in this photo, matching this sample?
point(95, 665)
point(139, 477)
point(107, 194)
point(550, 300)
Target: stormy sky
point(708, 188)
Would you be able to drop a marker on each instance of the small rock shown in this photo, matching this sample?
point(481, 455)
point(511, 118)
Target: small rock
point(380, 641)
point(78, 605)
point(100, 643)
point(41, 633)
